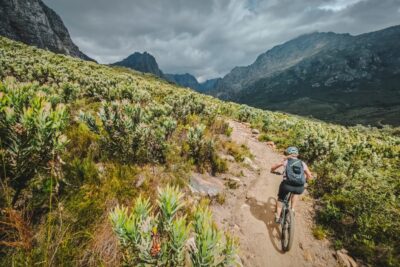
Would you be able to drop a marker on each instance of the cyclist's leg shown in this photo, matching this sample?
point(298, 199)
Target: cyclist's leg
point(278, 210)
point(295, 198)
point(296, 192)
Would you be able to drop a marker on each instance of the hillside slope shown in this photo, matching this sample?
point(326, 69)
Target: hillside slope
point(79, 138)
point(334, 77)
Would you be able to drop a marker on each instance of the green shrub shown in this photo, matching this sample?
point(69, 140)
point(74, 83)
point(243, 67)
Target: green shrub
point(161, 239)
point(130, 133)
point(220, 126)
point(319, 232)
point(31, 133)
point(203, 151)
point(239, 152)
point(245, 114)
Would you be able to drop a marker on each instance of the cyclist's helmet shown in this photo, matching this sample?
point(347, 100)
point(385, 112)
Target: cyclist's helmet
point(292, 150)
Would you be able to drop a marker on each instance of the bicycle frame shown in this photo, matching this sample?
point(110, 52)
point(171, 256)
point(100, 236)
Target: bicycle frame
point(285, 206)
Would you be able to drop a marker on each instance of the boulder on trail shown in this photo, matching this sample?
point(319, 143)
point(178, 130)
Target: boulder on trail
point(255, 131)
point(205, 185)
point(344, 259)
point(247, 161)
point(271, 144)
point(227, 157)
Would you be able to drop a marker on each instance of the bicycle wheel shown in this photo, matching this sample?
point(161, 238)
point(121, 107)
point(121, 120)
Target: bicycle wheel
point(287, 230)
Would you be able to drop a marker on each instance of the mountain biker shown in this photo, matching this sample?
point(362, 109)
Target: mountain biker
point(292, 165)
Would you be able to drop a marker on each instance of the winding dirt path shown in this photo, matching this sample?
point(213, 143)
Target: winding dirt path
point(248, 211)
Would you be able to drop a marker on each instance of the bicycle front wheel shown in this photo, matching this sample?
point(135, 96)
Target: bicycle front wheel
point(287, 230)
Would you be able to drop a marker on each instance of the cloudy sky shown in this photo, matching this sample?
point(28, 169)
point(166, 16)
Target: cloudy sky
point(209, 37)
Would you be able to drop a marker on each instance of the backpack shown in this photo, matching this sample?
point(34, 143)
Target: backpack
point(295, 172)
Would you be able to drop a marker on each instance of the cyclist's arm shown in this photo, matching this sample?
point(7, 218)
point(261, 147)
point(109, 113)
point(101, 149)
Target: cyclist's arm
point(276, 166)
point(308, 174)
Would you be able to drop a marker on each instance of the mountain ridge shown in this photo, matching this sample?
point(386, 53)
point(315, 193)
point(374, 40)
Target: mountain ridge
point(143, 62)
point(188, 80)
point(334, 77)
point(147, 63)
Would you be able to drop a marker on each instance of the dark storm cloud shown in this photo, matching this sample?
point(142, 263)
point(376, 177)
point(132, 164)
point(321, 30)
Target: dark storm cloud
point(209, 37)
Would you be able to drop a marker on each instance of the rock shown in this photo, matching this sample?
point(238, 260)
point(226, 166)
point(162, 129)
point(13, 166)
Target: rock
point(245, 206)
point(301, 245)
point(100, 168)
point(307, 255)
point(271, 144)
point(238, 262)
point(227, 157)
point(251, 164)
point(208, 186)
point(140, 180)
point(234, 179)
point(248, 161)
point(344, 259)
point(34, 23)
point(255, 131)
point(191, 244)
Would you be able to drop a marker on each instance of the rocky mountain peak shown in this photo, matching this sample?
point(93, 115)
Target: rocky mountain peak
point(324, 74)
point(34, 23)
point(143, 62)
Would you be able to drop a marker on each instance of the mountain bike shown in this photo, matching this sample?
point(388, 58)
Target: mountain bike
point(287, 224)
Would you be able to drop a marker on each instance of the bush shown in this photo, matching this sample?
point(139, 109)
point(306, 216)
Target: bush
point(31, 134)
point(203, 152)
point(130, 133)
point(161, 238)
point(245, 114)
point(239, 152)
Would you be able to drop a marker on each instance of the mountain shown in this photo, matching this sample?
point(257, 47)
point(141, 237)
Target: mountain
point(209, 84)
point(185, 80)
point(143, 62)
point(33, 23)
point(335, 77)
point(188, 80)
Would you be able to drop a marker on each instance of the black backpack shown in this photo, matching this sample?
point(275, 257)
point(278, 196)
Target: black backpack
point(295, 172)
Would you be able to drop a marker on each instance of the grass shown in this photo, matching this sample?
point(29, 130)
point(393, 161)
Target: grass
point(319, 232)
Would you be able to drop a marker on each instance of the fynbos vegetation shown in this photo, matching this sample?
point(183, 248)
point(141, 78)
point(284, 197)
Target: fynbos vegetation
point(76, 138)
point(164, 238)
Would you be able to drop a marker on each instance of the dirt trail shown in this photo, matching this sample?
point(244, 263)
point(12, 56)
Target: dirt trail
point(249, 212)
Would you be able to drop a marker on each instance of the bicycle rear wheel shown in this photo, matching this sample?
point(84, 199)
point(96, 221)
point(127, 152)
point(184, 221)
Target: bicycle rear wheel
point(287, 230)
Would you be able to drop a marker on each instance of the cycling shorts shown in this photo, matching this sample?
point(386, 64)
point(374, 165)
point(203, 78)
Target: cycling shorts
point(286, 188)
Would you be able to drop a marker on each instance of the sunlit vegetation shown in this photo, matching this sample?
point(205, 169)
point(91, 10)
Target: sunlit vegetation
point(163, 239)
point(84, 148)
